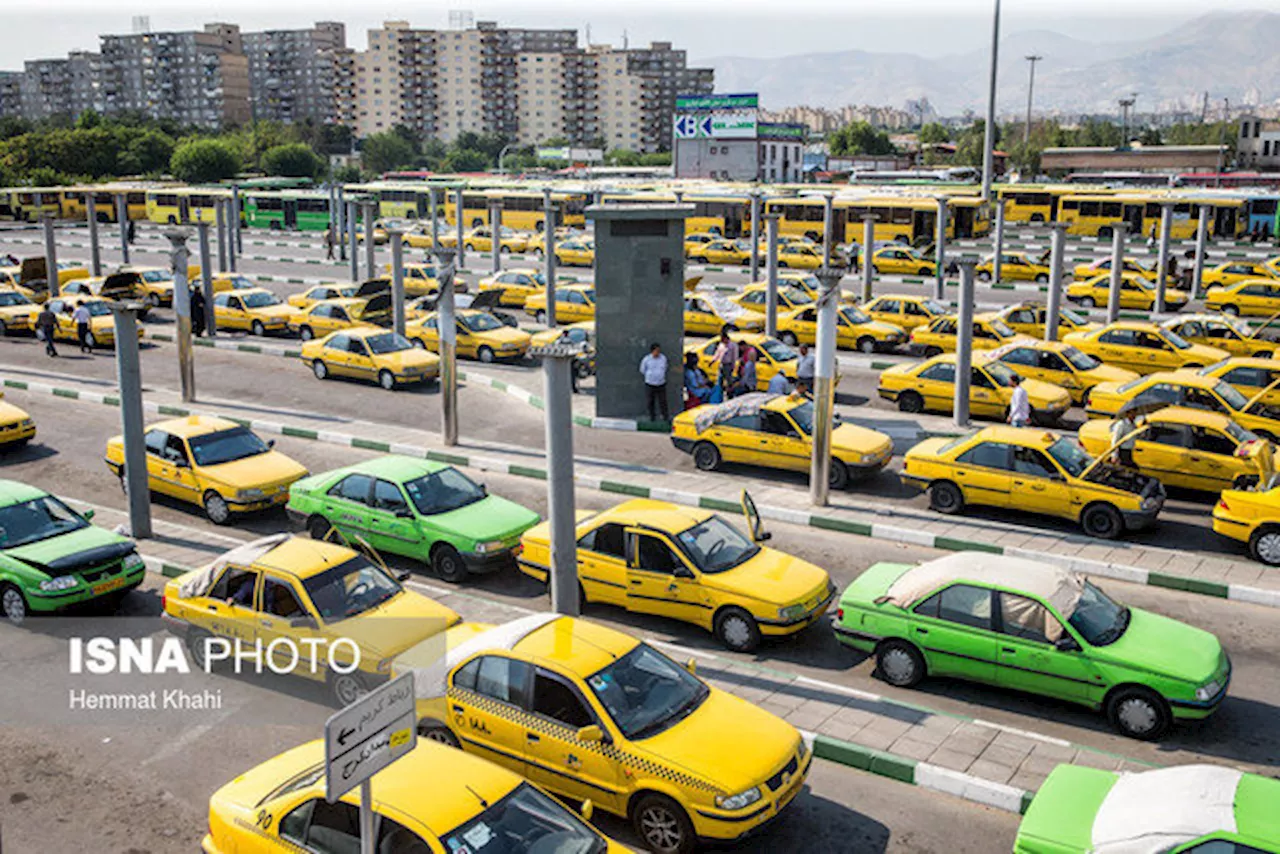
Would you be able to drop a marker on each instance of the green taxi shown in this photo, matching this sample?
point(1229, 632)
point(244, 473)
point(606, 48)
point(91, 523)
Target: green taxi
point(416, 508)
point(52, 558)
point(1033, 627)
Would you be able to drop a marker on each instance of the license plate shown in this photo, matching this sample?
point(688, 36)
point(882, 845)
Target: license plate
point(108, 586)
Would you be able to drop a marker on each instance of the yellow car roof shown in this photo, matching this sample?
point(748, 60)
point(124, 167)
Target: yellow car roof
point(1033, 343)
point(576, 645)
point(246, 291)
point(1185, 376)
point(907, 297)
point(1244, 362)
point(344, 302)
point(194, 425)
point(1017, 436)
point(303, 557)
point(365, 331)
point(1135, 325)
point(1191, 416)
point(662, 515)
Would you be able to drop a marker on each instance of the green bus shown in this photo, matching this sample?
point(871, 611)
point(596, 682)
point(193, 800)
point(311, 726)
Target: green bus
point(287, 210)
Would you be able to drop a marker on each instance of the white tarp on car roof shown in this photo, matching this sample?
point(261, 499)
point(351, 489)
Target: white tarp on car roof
point(245, 555)
point(1156, 811)
point(1053, 584)
point(432, 680)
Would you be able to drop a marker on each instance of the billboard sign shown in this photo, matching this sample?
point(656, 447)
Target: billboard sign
point(690, 103)
point(717, 116)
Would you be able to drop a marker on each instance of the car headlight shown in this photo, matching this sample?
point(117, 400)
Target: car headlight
point(27, 422)
point(791, 612)
point(488, 547)
point(1151, 502)
point(133, 561)
point(739, 801)
point(62, 582)
point(249, 494)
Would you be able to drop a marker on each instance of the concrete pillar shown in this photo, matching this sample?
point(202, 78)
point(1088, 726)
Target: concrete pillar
point(459, 215)
point(95, 251)
point(448, 346)
point(563, 581)
point(868, 247)
point(828, 228)
point(1057, 247)
point(50, 255)
point(220, 220)
point(964, 343)
point(353, 255)
point(771, 272)
point(824, 394)
point(1202, 237)
point(1162, 263)
point(235, 224)
point(129, 377)
point(340, 223)
point(940, 252)
point(997, 266)
point(206, 279)
point(122, 217)
point(395, 239)
point(182, 310)
point(755, 236)
point(435, 218)
point(549, 254)
point(370, 245)
point(1117, 271)
point(495, 226)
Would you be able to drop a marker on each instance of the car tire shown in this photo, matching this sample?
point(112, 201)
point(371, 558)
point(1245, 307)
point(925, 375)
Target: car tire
point(258, 329)
point(320, 369)
point(4, 330)
point(196, 647)
point(1139, 713)
point(706, 456)
point(923, 271)
point(984, 276)
point(216, 508)
point(930, 352)
point(900, 664)
point(867, 344)
point(448, 564)
point(153, 300)
point(318, 527)
point(1232, 310)
point(504, 250)
point(1088, 302)
point(789, 338)
point(387, 380)
point(346, 688)
point(470, 247)
point(485, 354)
point(1102, 521)
point(540, 316)
point(539, 251)
point(1264, 545)
point(946, 497)
point(1042, 279)
point(736, 630)
point(910, 401)
point(839, 477)
point(419, 343)
point(438, 733)
point(305, 333)
point(14, 604)
point(782, 264)
point(662, 825)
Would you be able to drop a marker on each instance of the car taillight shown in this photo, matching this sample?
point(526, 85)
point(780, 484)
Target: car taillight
point(163, 601)
point(839, 613)
point(1222, 504)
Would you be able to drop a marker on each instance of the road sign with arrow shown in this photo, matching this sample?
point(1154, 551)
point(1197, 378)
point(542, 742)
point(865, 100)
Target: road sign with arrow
point(369, 735)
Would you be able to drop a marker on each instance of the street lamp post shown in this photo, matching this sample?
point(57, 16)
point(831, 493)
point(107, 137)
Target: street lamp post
point(445, 256)
point(824, 395)
point(989, 131)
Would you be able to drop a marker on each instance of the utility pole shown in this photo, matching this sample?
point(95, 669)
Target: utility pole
point(1222, 143)
point(1125, 104)
point(989, 132)
point(1031, 88)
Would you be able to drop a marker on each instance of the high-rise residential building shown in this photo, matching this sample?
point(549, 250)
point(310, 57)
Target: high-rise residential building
point(52, 87)
point(195, 77)
point(10, 94)
point(294, 74)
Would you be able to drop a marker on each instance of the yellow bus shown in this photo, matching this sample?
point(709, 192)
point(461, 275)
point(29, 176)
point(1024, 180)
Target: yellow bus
point(729, 215)
point(1096, 215)
point(26, 204)
point(104, 195)
point(906, 219)
point(174, 205)
point(522, 209)
point(1037, 203)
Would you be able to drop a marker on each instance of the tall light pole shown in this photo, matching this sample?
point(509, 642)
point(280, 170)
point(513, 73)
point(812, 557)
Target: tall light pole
point(989, 132)
point(1031, 88)
point(1125, 104)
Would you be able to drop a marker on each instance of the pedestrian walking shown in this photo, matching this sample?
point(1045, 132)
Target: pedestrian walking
point(329, 241)
point(131, 232)
point(1020, 404)
point(197, 312)
point(653, 368)
point(81, 318)
point(46, 324)
point(726, 360)
point(804, 370)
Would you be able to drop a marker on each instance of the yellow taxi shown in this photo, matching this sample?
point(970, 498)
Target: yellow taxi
point(1183, 447)
point(327, 316)
point(576, 252)
point(1016, 267)
point(1252, 297)
point(689, 564)
point(217, 464)
point(232, 282)
point(701, 317)
point(1136, 292)
point(583, 332)
point(480, 239)
point(941, 335)
point(1251, 514)
point(1029, 319)
point(775, 431)
point(1250, 376)
point(283, 800)
point(1273, 266)
point(903, 310)
point(902, 261)
point(573, 303)
point(537, 242)
point(1060, 364)
point(1186, 388)
point(480, 335)
point(805, 281)
point(379, 233)
point(1143, 347)
point(515, 285)
point(1033, 471)
point(696, 240)
point(801, 256)
point(307, 594)
point(754, 298)
point(1226, 333)
point(930, 386)
point(318, 293)
point(854, 329)
point(17, 428)
point(1235, 271)
point(772, 356)
point(592, 714)
point(17, 313)
point(370, 353)
point(102, 326)
point(154, 284)
point(418, 236)
point(419, 279)
point(721, 252)
point(257, 310)
point(1103, 265)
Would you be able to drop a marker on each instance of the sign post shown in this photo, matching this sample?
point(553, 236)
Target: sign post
point(364, 738)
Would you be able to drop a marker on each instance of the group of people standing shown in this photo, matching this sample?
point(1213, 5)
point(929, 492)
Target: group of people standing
point(735, 365)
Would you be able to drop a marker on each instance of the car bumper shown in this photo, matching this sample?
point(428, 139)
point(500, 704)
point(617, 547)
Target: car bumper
point(888, 393)
point(858, 640)
point(478, 564)
point(724, 825)
point(16, 432)
point(914, 482)
point(536, 571)
point(240, 506)
point(781, 628)
point(1137, 520)
point(47, 602)
point(1194, 710)
point(1231, 528)
point(685, 445)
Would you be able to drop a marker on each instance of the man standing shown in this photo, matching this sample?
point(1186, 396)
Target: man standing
point(726, 359)
point(653, 368)
point(81, 318)
point(197, 312)
point(46, 323)
point(804, 370)
point(1020, 405)
point(329, 240)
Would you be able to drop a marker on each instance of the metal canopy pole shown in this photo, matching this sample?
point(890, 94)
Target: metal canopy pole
point(1162, 263)
point(206, 279)
point(220, 219)
point(868, 246)
point(129, 377)
point(549, 254)
point(353, 214)
point(458, 214)
point(233, 232)
point(1202, 237)
point(370, 245)
point(395, 239)
point(940, 252)
point(755, 236)
point(964, 343)
point(495, 227)
point(122, 216)
point(997, 259)
point(50, 256)
point(1057, 247)
point(1117, 271)
point(182, 310)
point(828, 228)
point(557, 365)
point(824, 385)
point(235, 224)
point(340, 223)
point(95, 251)
point(448, 346)
point(771, 272)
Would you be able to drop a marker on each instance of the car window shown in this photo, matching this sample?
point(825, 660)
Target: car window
point(605, 540)
point(1118, 337)
point(387, 496)
point(979, 379)
point(914, 308)
point(356, 347)
point(1151, 341)
point(279, 599)
point(993, 455)
point(1052, 362)
point(967, 605)
point(1248, 376)
point(236, 587)
point(654, 555)
point(353, 487)
point(776, 423)
point(294, 825)
point(943, 372)
point(1174, 435)
point(1025, 618)
point(155, 441)
point(1031, 462)
point(395, 838)
point(1021, 356)
point(175, 450)
point(334, 828)
point(889, 306)
point(338, 342)
point(556, 699)
point(504, 679)
point(743, 422)
point(1222, 846)
point(1211, 442)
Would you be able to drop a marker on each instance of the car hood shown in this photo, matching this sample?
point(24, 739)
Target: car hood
point(1096, 432)
point(266, 469)
point(76, 550)
point(929, 447)
point(412, 358)
point(394, 626)
point(708, 743)
point(1041, 394)
point(1109, 374)
point(772, 577)
point(860, 440)
point(505, 335)
point(491, 518)
point(10, 413)
point(286, 311)
point(1166, 646)
point(1204, 354)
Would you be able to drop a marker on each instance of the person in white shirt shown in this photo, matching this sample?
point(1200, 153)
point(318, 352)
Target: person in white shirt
point(653, 368)
point(805, 370)
point(82, 318)
point(1020, 405)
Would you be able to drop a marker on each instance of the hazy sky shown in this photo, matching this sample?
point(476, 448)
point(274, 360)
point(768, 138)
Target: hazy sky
point(35, 29)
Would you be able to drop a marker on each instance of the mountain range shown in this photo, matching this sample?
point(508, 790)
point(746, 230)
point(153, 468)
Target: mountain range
point(1227, 54)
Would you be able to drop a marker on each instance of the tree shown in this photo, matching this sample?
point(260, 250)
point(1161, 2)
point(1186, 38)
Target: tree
point(383, 152)
point(934, 133)
point(292, 160)
point(860, 138)
point(201, 161)
point(146, 153)
point(466, 160)
point(622, 157)
point(348, 174)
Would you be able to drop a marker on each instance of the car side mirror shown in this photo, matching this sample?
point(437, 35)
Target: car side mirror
point(1066, 643)
point(587, 810)
point(692, 666)
point(271, 443)
point(307, 622)
point(87, 515)
point(403, 575)
point(591, 733)
point(764, 536)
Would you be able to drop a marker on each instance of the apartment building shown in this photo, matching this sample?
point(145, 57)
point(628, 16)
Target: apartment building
point(10, 94)
point(195, 77)
point(51, 87)
point(294, 74)
point(1258, 144)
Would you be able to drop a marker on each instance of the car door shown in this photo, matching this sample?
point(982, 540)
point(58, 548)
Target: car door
point(602, 564)
point(739, 439)
point(954, 630)
point(555, 756)
point(805, 325)
point(889, 310)
point(1212, 464)
point(1055, 369)
point(360, 360)
point(1038, 485)
point(465, 340)
point(488, 709)
point(660, 580)
point(229, 608)
point(1161, 451)
point(984, 474)
point(1025, 362)
point(937, 385)
point(392, 524)
point(1027, 657)
point(180, 469)
point(160, 477)
point(1155, 354)
point(984, 398)
point(281, 615)
point(334, 355)
point(784, 446)
point(1015, 267)
point(346, 505)
point(1116, 347)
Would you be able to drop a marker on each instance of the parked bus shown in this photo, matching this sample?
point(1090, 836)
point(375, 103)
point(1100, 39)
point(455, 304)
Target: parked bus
point(1096, 215)
point(1037, 203)
point(729, 215)
point(1262, 215)
point(26, 204)
point(522, 210)
point(906, 219)
point(286, 210)
point(104, 197)
point(174, 205)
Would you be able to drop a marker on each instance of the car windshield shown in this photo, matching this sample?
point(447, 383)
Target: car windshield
point(1231, 396)
point(97, 309)
point(1131, 385)
point(260, 300)
point(1080, 361)
point(525, 820)
point(240, 283)
point(809, 281)
point(1002, 329)
point(715, 545)
point(957, 442)
point(854, 316)
point(1175, 339)
point(777, 351)
point(37, 519)
point(480, 322)
point(1000, 374)
point(1074, 317)
point(156, 276)
point(350, 588)
point(8, 298)
point(387, 342)
point(797, 296)
point(803, 416)
point(212, 449)
point(1070, 456)
point(442, 491)
point(934, 307)
point(645, 692)
point(1098, 619)
point(1241, 435)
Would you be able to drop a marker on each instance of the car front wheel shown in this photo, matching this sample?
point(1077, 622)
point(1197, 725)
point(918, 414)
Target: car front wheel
point(438, 733)
point(663, 826)
point(946, 497)
point(1088, 302)
point(910, 401)
point(1139, 713)
point(706, 456)
point(14, 604)
point(1102, 521)
point(867, 344)
point(346, 688)
point(387, 380)
point(839, 477)
point(258, 329)
point(320, 369)
point(448, 564)
point(216, 508)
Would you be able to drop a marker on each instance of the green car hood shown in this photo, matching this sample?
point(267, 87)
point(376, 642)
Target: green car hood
point(1060, 818)
point(491, 518)
point(88, 547)
point(873, 583)
point(1166, 646)
point(1256, 813)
